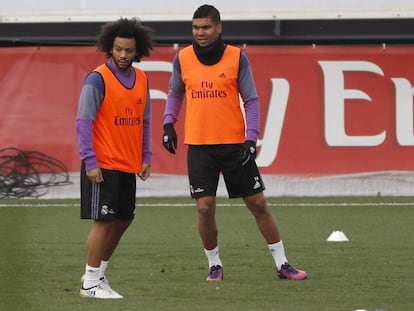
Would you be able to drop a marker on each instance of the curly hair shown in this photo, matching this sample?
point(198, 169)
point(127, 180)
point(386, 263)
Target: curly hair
point(126, 28)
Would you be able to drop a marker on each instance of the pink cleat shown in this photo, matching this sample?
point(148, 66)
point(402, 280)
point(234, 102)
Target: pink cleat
point(215, 274)
point(287, 271)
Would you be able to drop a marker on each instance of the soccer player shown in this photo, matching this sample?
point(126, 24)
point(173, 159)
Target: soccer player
point(114, 138)
point(210, 74)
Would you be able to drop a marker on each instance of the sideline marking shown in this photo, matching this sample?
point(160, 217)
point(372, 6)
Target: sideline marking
point(221, 204)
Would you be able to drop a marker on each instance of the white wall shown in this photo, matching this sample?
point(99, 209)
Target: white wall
point(158, 10)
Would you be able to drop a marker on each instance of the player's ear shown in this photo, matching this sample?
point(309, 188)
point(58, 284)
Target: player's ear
point(219, 27)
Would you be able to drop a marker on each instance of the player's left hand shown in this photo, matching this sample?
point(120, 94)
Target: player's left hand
point(145, 171)
point(249, 152)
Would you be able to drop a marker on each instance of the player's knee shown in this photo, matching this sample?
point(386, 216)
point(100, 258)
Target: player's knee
point(206, 210)
point(257, 205)
point(256, 201)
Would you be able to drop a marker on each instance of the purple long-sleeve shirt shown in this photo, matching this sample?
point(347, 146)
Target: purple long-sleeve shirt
point(90, 99)
point(247, 90)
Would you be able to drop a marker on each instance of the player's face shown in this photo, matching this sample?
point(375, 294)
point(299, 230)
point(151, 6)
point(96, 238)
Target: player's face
point(123, 53)
point(205, 31)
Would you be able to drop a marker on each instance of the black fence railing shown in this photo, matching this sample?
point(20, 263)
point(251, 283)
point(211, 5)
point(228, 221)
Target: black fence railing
point(258, 32)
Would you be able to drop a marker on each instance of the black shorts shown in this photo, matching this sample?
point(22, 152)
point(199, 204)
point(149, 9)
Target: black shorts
point(206, 162)
point(114, 198)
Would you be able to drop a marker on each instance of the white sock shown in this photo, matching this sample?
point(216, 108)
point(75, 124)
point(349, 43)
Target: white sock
point(278, 252)
point(102, 268)
point(213, 257)
point(91, 277)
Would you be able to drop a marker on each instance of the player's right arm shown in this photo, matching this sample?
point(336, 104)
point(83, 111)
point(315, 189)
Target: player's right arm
point(175, 96)
point(175, 99)
point(89, 101)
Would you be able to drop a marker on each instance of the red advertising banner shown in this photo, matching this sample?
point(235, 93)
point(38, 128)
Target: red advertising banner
point(325, 110)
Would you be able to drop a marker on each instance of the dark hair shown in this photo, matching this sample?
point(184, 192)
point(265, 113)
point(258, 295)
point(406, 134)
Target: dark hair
point(208, 11)
point(125, 28)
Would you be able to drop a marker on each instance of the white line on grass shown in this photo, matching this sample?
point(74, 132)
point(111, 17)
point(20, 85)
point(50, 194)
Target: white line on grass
point(219, 204)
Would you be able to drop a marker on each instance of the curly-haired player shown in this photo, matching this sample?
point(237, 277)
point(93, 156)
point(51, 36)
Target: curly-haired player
point(114, 138)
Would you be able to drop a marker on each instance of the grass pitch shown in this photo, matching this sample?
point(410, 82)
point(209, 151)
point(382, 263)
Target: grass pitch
point(160, 264)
